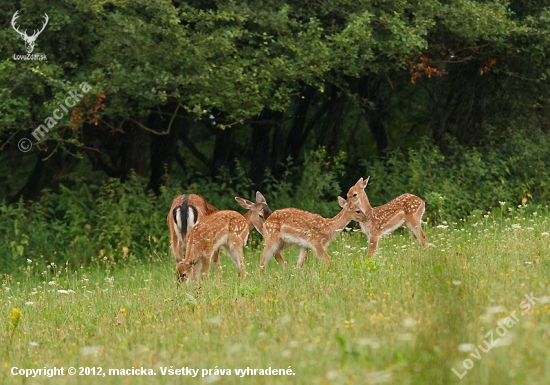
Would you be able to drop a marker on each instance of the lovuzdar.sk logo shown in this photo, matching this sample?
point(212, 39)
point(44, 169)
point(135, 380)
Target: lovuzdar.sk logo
point(29, 40)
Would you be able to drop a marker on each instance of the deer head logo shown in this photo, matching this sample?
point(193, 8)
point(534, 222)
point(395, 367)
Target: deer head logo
point(29, 40)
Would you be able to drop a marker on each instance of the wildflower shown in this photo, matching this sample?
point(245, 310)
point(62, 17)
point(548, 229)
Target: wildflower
point(516, 226)
point(63, 291)
point(457, 283)
point(409, 322)
point(15, 317)
point(51, 283)
point(29, 260)
point(35, 344)
point(442, 227)
point(544, 234)
point(89, 350)
point(502, 203)
point(466, 348)
point(494, 309)
point(29, 303)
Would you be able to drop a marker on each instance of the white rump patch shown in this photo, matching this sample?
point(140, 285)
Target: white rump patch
point(177, 226)
point(191, 219)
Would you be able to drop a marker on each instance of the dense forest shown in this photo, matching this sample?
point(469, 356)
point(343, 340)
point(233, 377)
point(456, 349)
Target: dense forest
point(444, 99)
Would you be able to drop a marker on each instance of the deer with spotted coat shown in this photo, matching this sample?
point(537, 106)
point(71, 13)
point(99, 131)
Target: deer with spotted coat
point(406, 209)
point(226, 230)
point(186, 211)
point(290, 226)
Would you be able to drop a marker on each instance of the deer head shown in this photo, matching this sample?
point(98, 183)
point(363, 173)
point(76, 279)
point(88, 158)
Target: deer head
point(29, 40)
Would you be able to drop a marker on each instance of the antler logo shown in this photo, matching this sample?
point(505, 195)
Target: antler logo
point(29, 40)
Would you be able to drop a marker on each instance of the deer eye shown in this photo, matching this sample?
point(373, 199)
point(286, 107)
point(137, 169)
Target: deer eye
point(261, 216)
point(358, 211)
point(354, 194)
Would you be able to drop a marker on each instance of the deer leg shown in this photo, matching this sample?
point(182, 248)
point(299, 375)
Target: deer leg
point(373, 244)
point(279, 258)
point(176, 244)
point(268, 252)
point(303, 257)
point(237, 255)
point(322, 253)
point(205, 270)
point(416, 230)
point(196, 270)
point(216, 258)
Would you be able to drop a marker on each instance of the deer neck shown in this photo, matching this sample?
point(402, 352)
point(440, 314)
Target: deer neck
point(248, 217)
point(365, 204)
point(337, 223)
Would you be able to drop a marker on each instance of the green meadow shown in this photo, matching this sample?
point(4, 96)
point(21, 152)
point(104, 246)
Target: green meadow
point(409, 315)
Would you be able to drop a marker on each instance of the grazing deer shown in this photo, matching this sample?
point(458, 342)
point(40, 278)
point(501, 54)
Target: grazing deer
point(227, 230)
point(311, 231)
point(185, 212)
point(405, 209)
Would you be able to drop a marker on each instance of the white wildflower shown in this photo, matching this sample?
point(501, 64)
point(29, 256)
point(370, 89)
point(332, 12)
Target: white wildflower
point(466, 348)
point(494, 309)
point(409, 322)
point(89, 350)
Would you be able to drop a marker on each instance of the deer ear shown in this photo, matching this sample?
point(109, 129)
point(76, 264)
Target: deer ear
point(245, 203)
point(260, 198)
point(362, 183)
point(342, 202)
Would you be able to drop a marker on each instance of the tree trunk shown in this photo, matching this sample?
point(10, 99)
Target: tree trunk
point(163, 148)
point(47, 173)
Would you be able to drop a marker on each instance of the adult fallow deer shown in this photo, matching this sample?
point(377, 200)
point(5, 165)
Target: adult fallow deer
point(405, 209)
point(311, 231)
point(186, 211)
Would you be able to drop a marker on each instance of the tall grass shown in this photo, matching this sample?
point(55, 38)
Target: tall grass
point(402, 317)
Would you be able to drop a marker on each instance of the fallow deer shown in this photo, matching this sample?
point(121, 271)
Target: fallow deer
point(226, 230)
point(406, 209)
point(186, 211)
point(310, 231)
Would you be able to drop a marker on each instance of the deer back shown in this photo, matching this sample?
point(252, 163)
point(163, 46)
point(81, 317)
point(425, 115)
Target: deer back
point(216, 229)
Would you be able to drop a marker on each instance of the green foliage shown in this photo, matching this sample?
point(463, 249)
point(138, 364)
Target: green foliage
point(319, 182)
point(456, 184)
point(118, 220)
